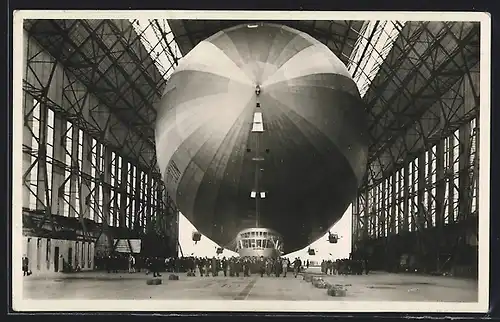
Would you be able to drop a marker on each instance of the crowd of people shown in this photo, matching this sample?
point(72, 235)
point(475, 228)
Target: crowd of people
point(200, 266)
point(215, 266)
point(231, 266)
point(344, 267)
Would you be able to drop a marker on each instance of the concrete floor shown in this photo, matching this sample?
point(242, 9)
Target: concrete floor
point(375, 286)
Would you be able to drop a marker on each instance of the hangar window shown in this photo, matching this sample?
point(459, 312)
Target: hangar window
point(68, 147)
point(35, 134)
point(50, 149)
point(456, 169)
point(473, 159)
point(79, 159)
point(93, 184)
point(432, 187)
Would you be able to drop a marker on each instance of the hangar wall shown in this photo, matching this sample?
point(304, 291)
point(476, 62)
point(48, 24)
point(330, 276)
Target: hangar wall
point(76, 165)
point(420, 211)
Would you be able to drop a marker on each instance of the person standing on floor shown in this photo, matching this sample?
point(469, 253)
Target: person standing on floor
point(131, 264)
point(200, 265)
point(156, 266)
point(224, 266)
point(26, 262)
point(207, 266)
point(214, 266)
point(296, 267)
point(262, 266)
point(284, 264)
point(237, 267)
point(246, 268)
point(231, 266)
point(269, 266)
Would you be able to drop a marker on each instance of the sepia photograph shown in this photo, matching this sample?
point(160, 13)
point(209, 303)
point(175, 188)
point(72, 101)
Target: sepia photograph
point(251, 161)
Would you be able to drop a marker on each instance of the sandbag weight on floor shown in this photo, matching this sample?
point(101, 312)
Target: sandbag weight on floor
point(314, 279)
point(190, 274)
point(154, 281)
point(320, 283)
point(324, 285)
point(173, 277)
point(336, 291)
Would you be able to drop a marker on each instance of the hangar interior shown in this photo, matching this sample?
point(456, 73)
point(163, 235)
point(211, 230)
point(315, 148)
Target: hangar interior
point(90, 174)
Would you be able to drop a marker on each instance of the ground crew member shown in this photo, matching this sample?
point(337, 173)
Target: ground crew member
point(200, 266)
point(246, 269)
point(262, 266)
point(25, 266)
point(277, 267)
point(237, 267)
point(269, 266)
point(207, 266)
point(231, 267)
point(284, 265)
point(131, 264)
point(224, 266)
point(296, 267)
point(214, 267)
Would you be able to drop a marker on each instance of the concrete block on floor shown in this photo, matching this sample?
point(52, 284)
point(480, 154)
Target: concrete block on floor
point(154, 281)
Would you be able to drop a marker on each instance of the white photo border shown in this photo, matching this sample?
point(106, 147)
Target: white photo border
point(21, 304)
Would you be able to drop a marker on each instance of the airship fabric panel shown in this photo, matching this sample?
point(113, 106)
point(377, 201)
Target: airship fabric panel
point(313, 147)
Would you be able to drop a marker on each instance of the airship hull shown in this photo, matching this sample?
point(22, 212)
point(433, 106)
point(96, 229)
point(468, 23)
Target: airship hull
point(312, 149)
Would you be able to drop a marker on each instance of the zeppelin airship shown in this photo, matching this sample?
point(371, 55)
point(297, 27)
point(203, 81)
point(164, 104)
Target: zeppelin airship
point(261, 137)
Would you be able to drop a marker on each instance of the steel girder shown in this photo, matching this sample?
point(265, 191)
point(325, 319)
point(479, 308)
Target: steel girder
point(446, 101)
point(425, 103)
point(339, 36)
point(109, 58)
point(101, 119)
point(73, 102)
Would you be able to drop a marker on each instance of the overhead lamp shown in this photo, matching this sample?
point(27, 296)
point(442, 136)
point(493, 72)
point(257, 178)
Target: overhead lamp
point(252, 26)
point(263, 195)
point(253, 194)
